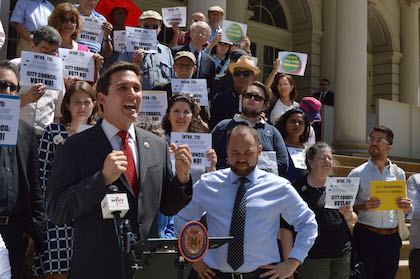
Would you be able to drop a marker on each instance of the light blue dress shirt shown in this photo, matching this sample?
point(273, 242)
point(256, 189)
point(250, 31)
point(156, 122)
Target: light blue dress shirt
point(214, 31)
point(368, 172)
point(32, 13)
point(267, 196)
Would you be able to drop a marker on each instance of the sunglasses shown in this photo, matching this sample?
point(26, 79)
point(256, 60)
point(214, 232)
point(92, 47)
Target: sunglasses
point(238, 73)
point(67, 20)
point(151, 26)
point(249, 96)
point(13, 87)
point(324, 83)
point(223, 44)
point(195, 20)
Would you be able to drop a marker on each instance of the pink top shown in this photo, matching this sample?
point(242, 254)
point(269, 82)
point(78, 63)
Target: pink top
point(82, 47)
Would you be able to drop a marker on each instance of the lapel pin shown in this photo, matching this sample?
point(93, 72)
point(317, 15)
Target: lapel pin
point(57, 139)
point(146, 144)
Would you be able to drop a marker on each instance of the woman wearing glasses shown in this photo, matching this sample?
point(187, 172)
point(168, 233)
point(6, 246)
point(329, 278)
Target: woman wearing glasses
point(220, 52)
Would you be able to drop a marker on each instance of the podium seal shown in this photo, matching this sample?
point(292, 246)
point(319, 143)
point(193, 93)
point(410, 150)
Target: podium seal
point(193, 241)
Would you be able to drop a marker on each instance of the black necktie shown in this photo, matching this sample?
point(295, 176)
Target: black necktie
point(235, 256)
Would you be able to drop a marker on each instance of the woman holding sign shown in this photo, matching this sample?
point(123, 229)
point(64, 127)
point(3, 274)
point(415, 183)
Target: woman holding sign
point(220, 52)
point(77, 109)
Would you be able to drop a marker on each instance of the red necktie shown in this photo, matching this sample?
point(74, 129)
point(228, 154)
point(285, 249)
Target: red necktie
point(131, 172)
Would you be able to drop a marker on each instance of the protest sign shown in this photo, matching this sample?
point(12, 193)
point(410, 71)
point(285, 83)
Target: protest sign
point(298, 157)
point(293, 63)
point(78, 64)
point(41, 68)
point(139, 38)
point(199, 144)
point(154, 105)
point(233, 32)
point(9, 119)
point(388, 192)
point(341, 190)
point(119, 40)
point(195, 87)
point(268, 162)
point(92, 30)
point(174, 15)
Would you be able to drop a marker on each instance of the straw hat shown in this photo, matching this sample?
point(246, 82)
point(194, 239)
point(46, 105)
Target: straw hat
point(244, 62)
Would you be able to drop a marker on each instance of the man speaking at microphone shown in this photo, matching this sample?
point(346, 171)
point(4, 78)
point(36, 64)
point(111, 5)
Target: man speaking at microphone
point(115, 152)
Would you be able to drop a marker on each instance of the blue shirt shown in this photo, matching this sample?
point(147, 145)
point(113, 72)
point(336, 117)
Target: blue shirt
point(267, 197)
point(32, 13)
point(214, 31)
point(413, 190)
point(93, 47)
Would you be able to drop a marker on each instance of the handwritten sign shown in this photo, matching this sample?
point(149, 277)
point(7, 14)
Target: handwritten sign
point(388, 192)
point(199, 144)
point(78, 64)
point(119, 40)
point(341, 190)
point(195, 87)
point(9, 119)
point(41, 68)
point(174, 15)
point(154, 105)
point(268, 162)
point(298, 157)
point(233, 32)
point(293, 63)
point(92, 30)
point(139, 38)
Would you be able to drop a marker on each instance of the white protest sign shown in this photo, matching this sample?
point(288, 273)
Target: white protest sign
point(9, 119)
point(341, 190)
point(154, 105)
point(41, 68)
point(268, 162)
point(199, 144)
point(119, 40)
point(195, 87)
point(233, 32)
point(92, 30)
point(298, 157)
point(139, 38)
point(174, 15)
point(293, 63)
point(78, 64)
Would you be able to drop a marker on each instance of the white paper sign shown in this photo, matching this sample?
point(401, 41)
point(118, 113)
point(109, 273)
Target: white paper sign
point(293, 63)
point(77, 63)
point(92, 30)
point(174, 15)
point(154, 105)
point(199, 144)
point(233, 32)
point(9, 119)
point(341, 190)
point(139, 38)
point(298, 157)
point(119, 40)
point(195, 87)
point(41, 68)
point(268, 162)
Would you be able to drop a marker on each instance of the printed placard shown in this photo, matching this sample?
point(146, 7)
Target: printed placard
point(174, 15)
point(92, 30)
point(9, 119)
point(388, 192)
point(268, 162)
point(195, 87)
point(341, 190)
point(41, 68)
point(78, 64)
point(154, 105)
point(298, 157)
point(139, 38)
point(292, 63)
point(199, 144)
point(119, 40)
point(233, 32)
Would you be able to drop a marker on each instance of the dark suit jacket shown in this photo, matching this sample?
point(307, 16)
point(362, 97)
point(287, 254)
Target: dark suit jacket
point(328, 100)
point(224, 106)
point(207, 65)
point(78, 189)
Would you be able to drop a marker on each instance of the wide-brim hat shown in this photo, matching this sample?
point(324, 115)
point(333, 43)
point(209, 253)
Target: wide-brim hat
point(244, 62)
point(105, 8)
point(312, 108)
point(150, 14)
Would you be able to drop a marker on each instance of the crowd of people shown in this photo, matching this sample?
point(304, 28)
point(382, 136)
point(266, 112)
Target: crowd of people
point(72, 144)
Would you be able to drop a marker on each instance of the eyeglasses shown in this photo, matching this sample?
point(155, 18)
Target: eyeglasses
point(238, 73)
point(184, 66)
point(223, 44)
point(200, 33)
point(65, 20)
point(324, 84)
point(377, 140)
point(13, 87)
point(195, 20)
point(249, 96)
point(151, 26)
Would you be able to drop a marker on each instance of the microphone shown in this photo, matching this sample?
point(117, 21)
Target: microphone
point(114, 204)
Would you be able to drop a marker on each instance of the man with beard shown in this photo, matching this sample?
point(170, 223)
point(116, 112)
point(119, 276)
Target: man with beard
point(376, 232)
point(245, 202)
point(255, 100)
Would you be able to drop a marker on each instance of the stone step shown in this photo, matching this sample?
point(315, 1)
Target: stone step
point(405, 250)
point(403, 270)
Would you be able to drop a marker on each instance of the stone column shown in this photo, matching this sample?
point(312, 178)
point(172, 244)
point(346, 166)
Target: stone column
point(328, 41)
point(409, 67)
point(202, 6)
point(351, 70)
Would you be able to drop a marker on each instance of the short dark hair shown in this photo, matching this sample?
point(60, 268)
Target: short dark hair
point(7, 65)
point(293, 93)
point(243, 130)
point(280, 124)
point(105, 79)
point(46, 34)
point(77, 86)
point(388, 133)
point(265, 89)
point(324, 79)
point(313, 151)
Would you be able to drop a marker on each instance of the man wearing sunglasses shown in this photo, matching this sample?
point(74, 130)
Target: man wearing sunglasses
point(22, 212)
point(226, 103)
point(376, 233)
point(325, 96)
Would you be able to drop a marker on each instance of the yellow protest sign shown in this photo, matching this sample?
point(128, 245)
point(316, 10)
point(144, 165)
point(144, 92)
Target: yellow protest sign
point(387, 192)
